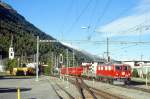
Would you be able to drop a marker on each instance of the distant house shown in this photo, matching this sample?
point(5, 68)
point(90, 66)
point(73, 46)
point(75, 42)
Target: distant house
point(136, 63)
point(143, 67)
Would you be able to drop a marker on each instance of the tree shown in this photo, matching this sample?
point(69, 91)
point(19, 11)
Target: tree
point(47, 69)
point(135, 73)
point(11, 64)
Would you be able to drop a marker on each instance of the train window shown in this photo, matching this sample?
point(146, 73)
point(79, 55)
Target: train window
point(117, 67)
point(125, 68)
point(109, 68)
point(129, 67)
point(101, 68)
point(105, 67)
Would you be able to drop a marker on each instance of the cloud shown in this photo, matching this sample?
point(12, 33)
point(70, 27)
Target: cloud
point(130, 25)
point(70, 45)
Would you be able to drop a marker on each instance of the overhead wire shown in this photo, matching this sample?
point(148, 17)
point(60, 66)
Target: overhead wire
point(78, 17)
point(68, 9)
point(124, 47)
point(103, 13)
point(106, 7)
point(122, 13)
point(119, 16)
point(93, 11)
point(90, 19)
point(98, 21)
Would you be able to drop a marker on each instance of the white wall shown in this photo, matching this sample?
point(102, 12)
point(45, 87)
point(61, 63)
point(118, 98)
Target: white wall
point(130, 63)
point(1, 66)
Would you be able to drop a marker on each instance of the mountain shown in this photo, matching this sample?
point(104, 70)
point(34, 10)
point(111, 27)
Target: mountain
point(24, 34)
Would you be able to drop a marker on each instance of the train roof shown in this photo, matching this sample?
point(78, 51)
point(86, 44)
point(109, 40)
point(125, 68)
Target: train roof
point(108, 64)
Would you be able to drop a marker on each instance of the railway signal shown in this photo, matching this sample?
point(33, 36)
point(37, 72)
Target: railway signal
point(61, 58)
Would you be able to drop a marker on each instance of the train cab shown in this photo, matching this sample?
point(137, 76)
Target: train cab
point(122, 72)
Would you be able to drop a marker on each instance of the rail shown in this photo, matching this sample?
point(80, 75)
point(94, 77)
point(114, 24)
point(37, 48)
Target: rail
point(58, 89)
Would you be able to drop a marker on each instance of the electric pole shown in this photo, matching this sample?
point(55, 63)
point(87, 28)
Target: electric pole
point(37, 59)
point(67, 66)
point(67, 59)
point(73, 58)
point(108, 58)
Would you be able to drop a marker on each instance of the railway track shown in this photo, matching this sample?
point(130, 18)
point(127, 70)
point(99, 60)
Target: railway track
point(135, 86)
point(61, 92)
point(88, 92)
point(84, 89)
point(105, 95)
point(92, 93)
point(85, 92)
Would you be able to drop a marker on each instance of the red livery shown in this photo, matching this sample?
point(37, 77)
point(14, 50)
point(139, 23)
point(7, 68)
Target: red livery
point(105, 72)
point(121, 72)
point(74, 71)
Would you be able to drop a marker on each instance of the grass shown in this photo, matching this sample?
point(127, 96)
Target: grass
point(3, 74)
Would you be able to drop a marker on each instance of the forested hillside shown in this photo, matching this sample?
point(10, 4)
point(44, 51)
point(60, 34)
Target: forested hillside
point(12, 24)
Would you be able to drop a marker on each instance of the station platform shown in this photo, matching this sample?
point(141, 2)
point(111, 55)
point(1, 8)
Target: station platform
point(29, 88)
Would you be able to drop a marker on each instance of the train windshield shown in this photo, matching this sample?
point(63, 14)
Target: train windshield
point(118, 68)
point(125, 67)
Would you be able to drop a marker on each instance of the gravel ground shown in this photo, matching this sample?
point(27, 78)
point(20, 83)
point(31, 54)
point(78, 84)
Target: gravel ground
point(43, 89)
point(130, 93)
point(143, 81)
point(70, 88)
point(30, 89)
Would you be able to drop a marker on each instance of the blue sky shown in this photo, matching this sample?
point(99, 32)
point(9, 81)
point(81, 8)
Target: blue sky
point(124, 21)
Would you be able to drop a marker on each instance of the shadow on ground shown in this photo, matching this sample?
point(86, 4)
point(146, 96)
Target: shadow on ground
point(16, 77)
point(9, 90)
point(138, 83)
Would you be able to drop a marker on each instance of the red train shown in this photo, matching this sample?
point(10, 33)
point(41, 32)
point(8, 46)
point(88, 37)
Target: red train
point(104, 72)
point(74, 71)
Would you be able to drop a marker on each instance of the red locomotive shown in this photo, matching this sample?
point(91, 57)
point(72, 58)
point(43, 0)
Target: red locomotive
point(114, 72)
point(105, 72)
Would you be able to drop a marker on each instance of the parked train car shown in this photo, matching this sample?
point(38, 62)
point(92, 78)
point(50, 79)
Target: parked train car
point(74, 71)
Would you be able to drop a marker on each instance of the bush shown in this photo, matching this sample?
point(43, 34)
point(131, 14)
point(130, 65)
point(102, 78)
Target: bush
point(84, 76)
point(135, 73)
point(11, 64)
point(148, 75)
point(47, 70)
